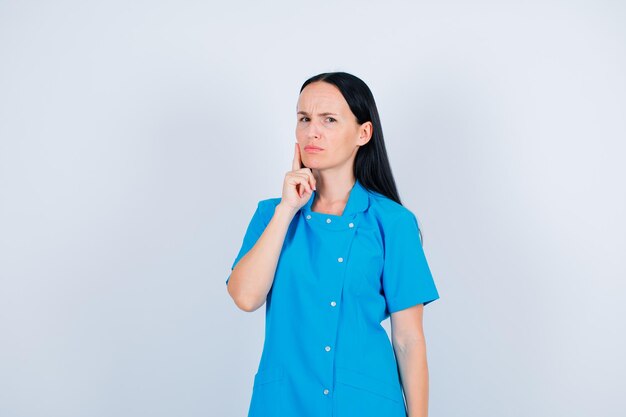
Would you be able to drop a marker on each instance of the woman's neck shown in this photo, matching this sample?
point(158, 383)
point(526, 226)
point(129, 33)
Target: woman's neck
point(332, 195)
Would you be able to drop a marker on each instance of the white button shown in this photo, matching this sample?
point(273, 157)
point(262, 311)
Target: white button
point(308, 216)
point(327, 348)
point(340, 259)
point(332, 303)
point(327, 220)
point(351, 225)
point(326, 392)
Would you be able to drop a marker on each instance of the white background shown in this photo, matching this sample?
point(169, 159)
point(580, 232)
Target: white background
point(136, 138)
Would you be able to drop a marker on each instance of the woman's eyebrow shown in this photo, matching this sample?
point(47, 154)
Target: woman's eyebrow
point(319, 114)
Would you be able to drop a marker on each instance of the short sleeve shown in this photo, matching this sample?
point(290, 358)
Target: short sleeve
point(255, 229)
point(407, 279)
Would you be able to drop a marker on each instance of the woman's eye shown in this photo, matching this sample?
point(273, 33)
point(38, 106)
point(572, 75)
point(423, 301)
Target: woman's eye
point(331, 119)
point(302, 118)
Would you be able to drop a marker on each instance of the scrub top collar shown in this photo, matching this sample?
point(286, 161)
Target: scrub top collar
point(358, 201)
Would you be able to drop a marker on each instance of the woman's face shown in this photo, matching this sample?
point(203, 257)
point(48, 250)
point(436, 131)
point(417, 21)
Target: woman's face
point(325, 121)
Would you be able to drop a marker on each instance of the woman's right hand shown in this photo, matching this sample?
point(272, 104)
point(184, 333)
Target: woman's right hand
point(299, 183)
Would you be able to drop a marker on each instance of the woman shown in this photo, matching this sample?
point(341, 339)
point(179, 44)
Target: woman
point(332, 258)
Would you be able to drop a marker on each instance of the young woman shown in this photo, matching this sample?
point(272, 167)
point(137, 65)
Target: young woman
point(331, 259)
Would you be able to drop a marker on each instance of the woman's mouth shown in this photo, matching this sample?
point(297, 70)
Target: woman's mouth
point(312, 149)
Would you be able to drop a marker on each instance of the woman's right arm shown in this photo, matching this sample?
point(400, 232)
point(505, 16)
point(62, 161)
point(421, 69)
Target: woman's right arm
point(253, 275)
point(251, 279)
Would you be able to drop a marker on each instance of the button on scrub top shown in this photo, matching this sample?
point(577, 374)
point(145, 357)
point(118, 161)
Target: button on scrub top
point(338, 277)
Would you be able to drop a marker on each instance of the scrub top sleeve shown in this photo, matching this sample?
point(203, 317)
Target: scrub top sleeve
point(407, 279)
point(255, 229)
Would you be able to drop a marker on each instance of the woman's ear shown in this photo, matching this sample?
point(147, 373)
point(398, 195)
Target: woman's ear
point(365, 133)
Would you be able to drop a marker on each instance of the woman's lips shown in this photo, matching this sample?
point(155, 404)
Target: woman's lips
point(312, 149)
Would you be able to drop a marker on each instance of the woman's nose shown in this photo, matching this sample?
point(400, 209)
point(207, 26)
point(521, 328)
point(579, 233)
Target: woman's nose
point(314, 130)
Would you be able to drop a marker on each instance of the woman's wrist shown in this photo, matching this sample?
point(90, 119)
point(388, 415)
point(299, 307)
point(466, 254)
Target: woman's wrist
point(287, 210)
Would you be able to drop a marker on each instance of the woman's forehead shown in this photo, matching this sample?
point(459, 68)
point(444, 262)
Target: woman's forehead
point(323, 97)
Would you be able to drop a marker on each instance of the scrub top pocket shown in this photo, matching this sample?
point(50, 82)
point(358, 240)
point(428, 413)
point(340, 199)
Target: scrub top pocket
point(267, 393)
point(361, 395)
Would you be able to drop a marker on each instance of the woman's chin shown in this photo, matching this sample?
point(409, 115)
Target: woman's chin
point(313, 163)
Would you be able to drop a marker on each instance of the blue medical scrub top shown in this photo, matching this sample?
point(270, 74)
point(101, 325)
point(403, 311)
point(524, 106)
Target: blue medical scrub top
point(338, 277)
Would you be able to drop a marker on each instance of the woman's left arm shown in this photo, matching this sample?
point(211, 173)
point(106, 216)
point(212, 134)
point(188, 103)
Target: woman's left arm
point(409, 346)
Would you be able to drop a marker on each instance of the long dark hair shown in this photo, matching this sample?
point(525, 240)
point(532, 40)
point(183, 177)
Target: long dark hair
point(371, 165)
